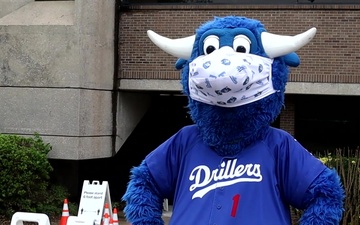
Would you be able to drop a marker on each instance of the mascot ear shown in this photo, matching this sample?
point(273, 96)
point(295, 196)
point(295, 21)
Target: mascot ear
point(180, 64)
point(292, 59)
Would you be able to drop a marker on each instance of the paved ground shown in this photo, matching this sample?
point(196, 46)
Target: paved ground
point(122, 221)
point(166, 218)
point(56, 220)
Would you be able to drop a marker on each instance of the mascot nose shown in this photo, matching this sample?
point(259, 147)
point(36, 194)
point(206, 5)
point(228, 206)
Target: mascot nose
point(227, 49)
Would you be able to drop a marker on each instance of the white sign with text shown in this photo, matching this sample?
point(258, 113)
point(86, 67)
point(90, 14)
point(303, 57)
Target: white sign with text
point(93, 198)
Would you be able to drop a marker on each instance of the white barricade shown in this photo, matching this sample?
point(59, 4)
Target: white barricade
point(19, 217)
point(75, 220)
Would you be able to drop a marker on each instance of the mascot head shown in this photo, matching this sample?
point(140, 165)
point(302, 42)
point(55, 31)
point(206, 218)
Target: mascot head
point(234, 74)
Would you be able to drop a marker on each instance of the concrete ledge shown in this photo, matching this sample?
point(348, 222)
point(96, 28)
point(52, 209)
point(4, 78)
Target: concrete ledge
point(42, 13)
point(323, 88)
point(291, 88)
point(149, 85)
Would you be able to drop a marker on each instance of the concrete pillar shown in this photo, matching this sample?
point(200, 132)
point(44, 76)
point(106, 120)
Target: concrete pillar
point(57, 74)
point(132, 106)
point(8, 6)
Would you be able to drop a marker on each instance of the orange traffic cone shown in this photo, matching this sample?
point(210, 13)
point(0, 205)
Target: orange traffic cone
point(65, 213)
point(106, 210)
point(111, 222)
point(106, 220)
point(115, 217)
point(106, 213)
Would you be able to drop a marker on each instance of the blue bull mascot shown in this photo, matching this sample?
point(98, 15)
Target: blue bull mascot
point(231, 167)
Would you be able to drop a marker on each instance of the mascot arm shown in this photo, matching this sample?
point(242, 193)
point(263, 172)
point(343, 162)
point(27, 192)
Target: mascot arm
point(324, 200)
point(143, 201)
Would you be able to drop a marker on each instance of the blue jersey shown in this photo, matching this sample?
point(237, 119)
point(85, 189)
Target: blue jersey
point(254, 187)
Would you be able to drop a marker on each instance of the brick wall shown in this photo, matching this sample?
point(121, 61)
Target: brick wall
point(333, 56)
point(287, 115)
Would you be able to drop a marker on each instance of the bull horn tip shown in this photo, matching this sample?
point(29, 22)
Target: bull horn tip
point(306, 37)
point(278, 45)
point(312, 32)
point(180, 47)
point(150, 32)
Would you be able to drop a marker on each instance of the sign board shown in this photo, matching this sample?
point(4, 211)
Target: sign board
point(93, 198)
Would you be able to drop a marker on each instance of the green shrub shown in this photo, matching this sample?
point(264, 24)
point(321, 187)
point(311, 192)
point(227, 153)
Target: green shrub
point(24, 177)
point(53, 203)
point(347, 164)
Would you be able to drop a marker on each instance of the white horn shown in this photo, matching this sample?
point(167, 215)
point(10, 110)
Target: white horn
point(278, 45)
point(180, 48)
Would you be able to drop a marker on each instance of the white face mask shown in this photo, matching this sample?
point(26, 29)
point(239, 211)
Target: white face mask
point(229, 79)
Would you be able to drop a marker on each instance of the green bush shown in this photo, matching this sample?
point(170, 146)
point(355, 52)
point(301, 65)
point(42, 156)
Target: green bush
point(347, 164)
point(24, 177)
point(53, 203)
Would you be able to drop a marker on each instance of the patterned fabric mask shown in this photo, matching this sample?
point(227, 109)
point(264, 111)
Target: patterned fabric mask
point(229, 79)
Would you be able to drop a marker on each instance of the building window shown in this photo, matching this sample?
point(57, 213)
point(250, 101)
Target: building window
point(327, 122)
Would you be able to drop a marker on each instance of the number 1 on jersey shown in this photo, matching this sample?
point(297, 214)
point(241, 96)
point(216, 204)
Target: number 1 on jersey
point(235, 205)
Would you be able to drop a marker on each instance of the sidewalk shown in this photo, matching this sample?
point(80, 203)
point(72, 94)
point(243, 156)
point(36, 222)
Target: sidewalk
point(122, 221)
point(166, 217)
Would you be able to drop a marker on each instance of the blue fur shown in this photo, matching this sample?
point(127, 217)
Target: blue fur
point(324, 200)
point(226, 38)
point(292, 59)
point(180, 63)
point(229, 130)
point(254, 26)
point(144, 203)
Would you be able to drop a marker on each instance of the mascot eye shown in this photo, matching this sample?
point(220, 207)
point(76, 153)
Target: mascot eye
point(241, 44)
point(211, 43)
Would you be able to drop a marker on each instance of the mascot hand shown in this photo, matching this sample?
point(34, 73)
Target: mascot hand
point(324, 200)
point(143, 201)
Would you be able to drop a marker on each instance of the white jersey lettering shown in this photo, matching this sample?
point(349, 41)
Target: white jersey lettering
point(228, 174)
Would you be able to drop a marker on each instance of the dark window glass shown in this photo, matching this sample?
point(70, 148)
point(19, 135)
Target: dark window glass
point(327, 122)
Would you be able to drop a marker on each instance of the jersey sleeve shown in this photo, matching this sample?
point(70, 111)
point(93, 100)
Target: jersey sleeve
point(297, 169)
point(164, 162)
